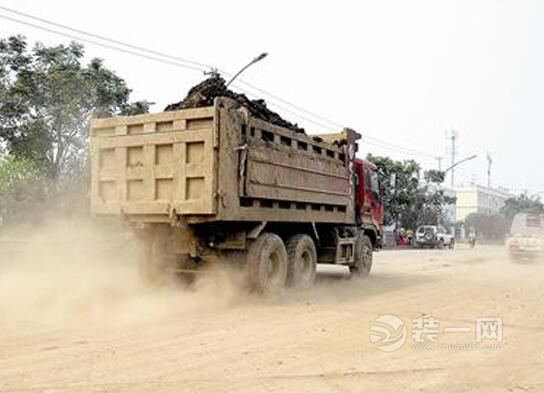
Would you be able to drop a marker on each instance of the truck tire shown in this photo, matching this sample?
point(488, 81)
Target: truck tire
point(452, 244)
point(267, 263)
point(363, 257)
point(302, 259)
point(440, 244)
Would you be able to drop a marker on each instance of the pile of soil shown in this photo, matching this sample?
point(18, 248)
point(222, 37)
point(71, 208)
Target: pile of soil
point(204, 93)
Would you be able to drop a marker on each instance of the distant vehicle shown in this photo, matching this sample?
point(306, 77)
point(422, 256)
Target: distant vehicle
point(433, 236)
point(526, 240)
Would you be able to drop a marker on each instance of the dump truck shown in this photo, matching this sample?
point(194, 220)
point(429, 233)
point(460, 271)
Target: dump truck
point(218, 185)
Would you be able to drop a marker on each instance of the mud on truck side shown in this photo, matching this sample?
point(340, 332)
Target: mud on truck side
point(215, 184)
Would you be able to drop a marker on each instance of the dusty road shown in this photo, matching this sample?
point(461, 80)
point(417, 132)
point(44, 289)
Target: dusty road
point(92, 328)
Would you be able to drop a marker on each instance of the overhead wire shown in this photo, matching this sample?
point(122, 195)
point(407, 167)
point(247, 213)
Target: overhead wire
point(158, 56)
point(98, 43)
point(201, 66)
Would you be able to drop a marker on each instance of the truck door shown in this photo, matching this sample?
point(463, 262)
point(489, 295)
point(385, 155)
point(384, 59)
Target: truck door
point(369, 196)
point(376, 202)
point(359, 189)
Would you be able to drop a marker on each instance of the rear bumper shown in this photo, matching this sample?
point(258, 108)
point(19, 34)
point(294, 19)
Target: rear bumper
point(425, 242)
point(526, 252)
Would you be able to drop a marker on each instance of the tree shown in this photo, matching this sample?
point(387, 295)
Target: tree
point(21, 188)
point(47, 98)
point(435, 176)
point(411, 202)
point(399, 197)
point(521, 203)
point(488, 226)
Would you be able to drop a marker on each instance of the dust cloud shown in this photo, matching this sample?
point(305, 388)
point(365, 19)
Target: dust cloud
point(74, 274)
point(74, 316)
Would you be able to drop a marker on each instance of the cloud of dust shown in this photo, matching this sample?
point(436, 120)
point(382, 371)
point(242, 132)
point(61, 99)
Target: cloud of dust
point(79, 274)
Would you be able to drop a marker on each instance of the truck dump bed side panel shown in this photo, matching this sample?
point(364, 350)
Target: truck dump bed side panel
point(268, 173)
point(157, 164)
point(287, 166)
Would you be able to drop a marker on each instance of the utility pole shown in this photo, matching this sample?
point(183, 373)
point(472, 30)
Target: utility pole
point(453, 137)
point(489, 162)
point(439, 160)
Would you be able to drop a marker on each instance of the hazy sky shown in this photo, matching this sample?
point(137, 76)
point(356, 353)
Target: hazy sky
point(400, 71)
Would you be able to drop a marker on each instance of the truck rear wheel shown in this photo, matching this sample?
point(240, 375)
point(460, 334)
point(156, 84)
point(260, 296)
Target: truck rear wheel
point(267, 263)
point(302, 259)
point(363, 257)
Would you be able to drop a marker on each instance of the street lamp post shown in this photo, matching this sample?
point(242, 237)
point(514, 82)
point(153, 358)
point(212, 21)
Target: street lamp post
point(452, 168)
point(255, 60)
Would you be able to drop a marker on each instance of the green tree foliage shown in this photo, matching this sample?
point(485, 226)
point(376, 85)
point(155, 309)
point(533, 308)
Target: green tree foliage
point(403, 194)
point(21, 188)
point(410, 201)
point(521, 204)
point(435, 176)
point(47, 98)
point(137, 108)
point(488, 226)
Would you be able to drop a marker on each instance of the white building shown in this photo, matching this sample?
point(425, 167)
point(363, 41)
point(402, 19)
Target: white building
point(479, 199)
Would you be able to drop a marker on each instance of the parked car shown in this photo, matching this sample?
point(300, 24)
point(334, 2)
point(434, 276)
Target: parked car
point(526, 240)
point(433, 236)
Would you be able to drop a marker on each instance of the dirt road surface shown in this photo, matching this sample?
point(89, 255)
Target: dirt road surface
point(72, 322)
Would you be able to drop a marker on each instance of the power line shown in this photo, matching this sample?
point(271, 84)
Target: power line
point(99, 43)
point(395, 148)
point(198, 66)
point(472, 176)
point(274, 105)
point(292, 105)
point(71, 36)
point(367, 137)
point(406, 150)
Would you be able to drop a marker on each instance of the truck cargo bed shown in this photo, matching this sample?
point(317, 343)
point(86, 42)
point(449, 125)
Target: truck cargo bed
point(155, 164)
point(217, 164)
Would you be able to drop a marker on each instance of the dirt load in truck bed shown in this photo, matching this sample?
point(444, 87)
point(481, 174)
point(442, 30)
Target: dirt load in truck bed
point(205, 92)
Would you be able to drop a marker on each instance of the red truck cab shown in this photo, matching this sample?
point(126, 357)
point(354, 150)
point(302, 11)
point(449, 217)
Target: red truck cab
point(369, 200)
